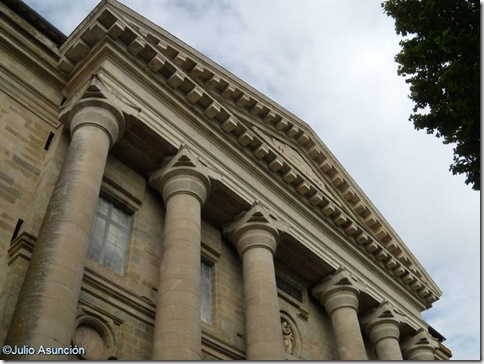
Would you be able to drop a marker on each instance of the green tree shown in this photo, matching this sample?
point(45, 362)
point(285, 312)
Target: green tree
point(440, 59)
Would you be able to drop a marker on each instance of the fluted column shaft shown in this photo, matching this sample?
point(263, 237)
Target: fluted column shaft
point(177, 333)
point(46, 308)
point(256, 242)
point(339, 296)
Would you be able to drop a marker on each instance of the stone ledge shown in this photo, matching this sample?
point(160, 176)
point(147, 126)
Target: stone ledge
point(94, 283)
point(212, 345)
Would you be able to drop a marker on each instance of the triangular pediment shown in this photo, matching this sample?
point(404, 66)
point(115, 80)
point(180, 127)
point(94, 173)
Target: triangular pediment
point(276, 139)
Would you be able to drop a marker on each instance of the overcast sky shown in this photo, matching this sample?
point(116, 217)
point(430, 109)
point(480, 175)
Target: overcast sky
point(331, 63)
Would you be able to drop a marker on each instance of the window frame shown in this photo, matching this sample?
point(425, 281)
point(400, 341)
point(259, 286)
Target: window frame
point(119, 201)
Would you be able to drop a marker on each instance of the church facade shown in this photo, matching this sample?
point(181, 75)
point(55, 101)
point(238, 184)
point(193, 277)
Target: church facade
point(155, 206)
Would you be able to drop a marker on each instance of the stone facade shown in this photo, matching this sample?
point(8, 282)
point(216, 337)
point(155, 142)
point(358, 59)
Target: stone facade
point(199, 172)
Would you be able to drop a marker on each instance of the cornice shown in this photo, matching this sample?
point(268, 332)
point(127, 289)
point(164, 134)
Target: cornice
point(215, 93)
point(22, 38)
point(29, 97)
point(36, 20)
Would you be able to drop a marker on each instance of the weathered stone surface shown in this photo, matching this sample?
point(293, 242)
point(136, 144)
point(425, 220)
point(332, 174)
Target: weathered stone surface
point(184, 188)
point(339, 295)
point(243, 148)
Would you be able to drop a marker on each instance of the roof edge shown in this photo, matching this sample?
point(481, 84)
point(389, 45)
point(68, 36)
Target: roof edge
point(35, 19)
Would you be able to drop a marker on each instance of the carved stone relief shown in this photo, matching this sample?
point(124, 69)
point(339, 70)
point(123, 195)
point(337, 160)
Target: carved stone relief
point(287, 336)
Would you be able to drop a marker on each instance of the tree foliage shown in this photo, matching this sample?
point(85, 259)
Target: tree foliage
point(440, 58)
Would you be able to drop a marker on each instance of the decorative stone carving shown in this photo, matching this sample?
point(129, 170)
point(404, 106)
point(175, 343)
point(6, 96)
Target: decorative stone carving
point(96, 334)
point(340, 289)
point(287, 336)
point(256, 219)
point(87, 337)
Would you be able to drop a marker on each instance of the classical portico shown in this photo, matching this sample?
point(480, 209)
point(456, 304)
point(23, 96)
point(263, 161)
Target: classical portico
point(183, 180)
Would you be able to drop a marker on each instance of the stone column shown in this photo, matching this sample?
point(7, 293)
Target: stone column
point(421, 346)
point(339, 296)
point(184, 187)
point(383, 329)
point(46, 308)
point(255, 235)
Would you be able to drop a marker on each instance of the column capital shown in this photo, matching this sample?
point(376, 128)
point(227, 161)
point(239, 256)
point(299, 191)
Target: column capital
point(382, 322)
point(420, 346)
point(341, 289)
point(97, 106)
point(182, 174)
point(259, 221)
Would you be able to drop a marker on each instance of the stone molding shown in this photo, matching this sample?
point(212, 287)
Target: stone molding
point(94, 283)
point(21, 247)
point(182, 174)
point(339, 290)
point(132, 303)
point(212, 343)
point(256, 221)
point(99, 113)
point(31, 99)
point(383, 322)
point(106, 332)
point(420, 346)
point(189, 76)
point(94, 106)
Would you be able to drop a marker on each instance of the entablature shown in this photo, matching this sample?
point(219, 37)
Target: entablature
point(28, 66)
point(33, 47)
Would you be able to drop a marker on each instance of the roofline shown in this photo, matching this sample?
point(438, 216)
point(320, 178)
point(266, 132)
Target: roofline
point(35, 19)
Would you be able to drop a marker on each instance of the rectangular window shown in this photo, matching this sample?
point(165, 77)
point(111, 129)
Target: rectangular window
point(288, 288)
point(110, 235)
point(206, 292)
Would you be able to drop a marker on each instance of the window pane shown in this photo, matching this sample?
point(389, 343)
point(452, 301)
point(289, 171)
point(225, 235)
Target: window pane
point(110, 235)
point(206, 292)
point(97, 236)
point(103, 207)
